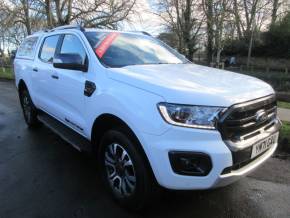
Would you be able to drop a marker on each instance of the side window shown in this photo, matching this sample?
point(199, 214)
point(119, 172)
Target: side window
point(27, 48)
point(48, 48)
point(72, 45)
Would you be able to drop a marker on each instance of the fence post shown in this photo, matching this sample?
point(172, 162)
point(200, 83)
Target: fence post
point(286, 70)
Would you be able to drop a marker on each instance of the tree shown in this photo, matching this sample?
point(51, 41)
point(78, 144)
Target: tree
point(208, 10)
point(184, 19)
point(169, 38)
point(103, 13)
point(250, 16)
point(18, 11)
point(97, 13)
point(217, 14)
point(38, 14)
point(277, 39)
point(237, 18)
point(20, 18)
point(276, 4)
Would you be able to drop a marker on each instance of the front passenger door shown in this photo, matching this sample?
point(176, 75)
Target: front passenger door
point(69, 86)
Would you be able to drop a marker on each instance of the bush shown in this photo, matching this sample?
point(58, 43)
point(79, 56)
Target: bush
point(279, 81)
point(285, 137)
point(234, 47)
point(277, 39)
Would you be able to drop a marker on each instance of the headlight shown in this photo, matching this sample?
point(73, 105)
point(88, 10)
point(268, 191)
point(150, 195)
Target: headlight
point(203, 117)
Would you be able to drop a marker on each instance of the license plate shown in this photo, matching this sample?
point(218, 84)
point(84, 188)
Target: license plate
point(264, 145)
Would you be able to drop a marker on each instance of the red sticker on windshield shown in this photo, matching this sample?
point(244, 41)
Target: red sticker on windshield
point(105, 44)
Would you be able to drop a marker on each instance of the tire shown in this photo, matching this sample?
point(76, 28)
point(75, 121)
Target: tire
point(28, 108)
point(125, 171)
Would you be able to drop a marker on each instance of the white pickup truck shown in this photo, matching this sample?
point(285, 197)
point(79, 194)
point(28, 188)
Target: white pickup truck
point(150, 116)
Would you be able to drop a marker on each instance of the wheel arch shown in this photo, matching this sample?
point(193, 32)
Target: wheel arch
point(21, 85)
point(109, 121)
point(105, 122)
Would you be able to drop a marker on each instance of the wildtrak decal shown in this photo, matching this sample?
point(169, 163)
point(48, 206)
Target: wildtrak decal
point(106, 43)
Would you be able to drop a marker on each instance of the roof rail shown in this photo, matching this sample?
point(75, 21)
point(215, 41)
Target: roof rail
point(73, 26)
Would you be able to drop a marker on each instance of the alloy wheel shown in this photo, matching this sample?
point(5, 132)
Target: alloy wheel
point(26, 107)
point(120, 170)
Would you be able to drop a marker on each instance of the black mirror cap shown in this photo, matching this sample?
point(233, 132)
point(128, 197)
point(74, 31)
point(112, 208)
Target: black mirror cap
point(70, 62)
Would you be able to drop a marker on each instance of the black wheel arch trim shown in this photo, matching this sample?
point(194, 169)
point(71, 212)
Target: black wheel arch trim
point(98, 130)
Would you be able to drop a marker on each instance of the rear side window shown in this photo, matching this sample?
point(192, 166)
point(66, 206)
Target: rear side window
point(48, 48)
point(27, 48)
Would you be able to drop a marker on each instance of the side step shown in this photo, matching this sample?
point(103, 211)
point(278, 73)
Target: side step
point(66, 133)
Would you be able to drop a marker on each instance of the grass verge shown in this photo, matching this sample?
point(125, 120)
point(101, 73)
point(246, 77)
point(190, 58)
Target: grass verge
point(6, 73)
point(284, 138)
point(284, 104)
point(285, 131)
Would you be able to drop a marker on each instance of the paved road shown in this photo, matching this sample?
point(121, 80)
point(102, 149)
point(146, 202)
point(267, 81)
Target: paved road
point(284, 114)
point(42, 176)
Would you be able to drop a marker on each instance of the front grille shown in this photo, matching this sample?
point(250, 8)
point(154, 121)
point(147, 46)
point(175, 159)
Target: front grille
point(240, 122)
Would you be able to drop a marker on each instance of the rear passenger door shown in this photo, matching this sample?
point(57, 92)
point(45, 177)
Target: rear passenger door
point(43, 75)
point(68, 88)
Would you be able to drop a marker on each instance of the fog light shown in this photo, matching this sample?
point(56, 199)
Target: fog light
point(190, 163)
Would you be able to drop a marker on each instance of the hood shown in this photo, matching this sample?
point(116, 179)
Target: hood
point(192, 84)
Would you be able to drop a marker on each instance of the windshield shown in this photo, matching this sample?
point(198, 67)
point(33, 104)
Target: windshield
point(116, 49)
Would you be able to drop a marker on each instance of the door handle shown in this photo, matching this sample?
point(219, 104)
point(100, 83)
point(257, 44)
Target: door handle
point(54, 76)
point(35, 69)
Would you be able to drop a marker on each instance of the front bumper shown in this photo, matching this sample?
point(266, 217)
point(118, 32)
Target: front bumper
point(204, 141)
point(235, 175)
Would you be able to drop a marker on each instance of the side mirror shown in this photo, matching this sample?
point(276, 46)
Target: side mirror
point(70, 62)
